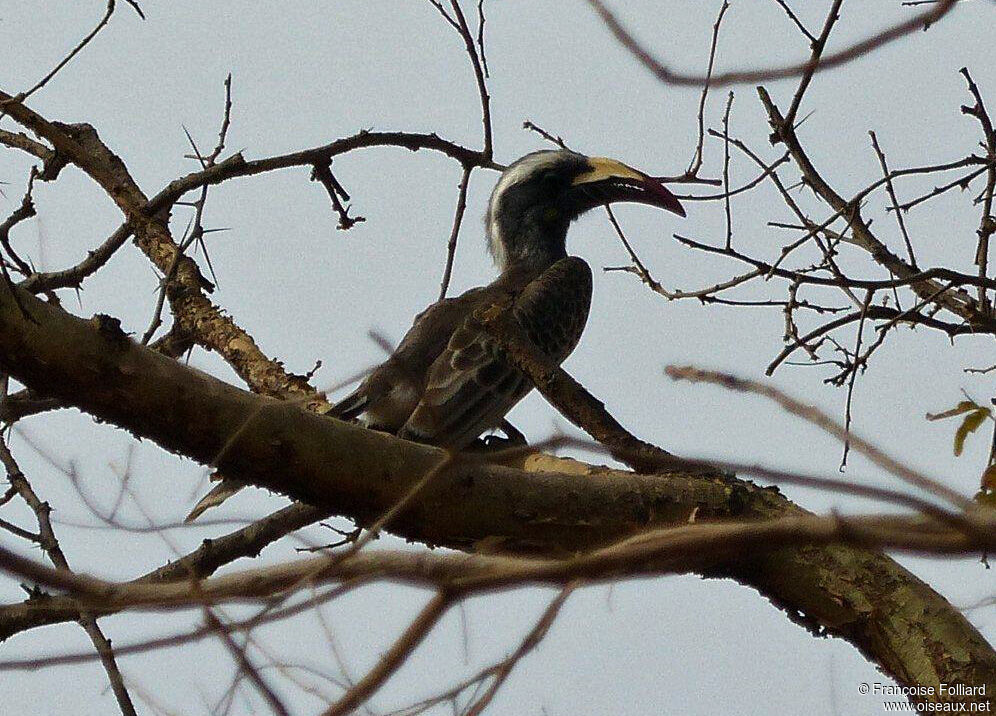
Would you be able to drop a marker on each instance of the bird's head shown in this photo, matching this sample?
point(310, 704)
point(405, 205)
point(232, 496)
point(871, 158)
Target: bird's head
point(539, 195)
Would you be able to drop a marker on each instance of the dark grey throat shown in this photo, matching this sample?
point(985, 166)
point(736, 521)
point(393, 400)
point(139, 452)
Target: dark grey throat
point(534, 239)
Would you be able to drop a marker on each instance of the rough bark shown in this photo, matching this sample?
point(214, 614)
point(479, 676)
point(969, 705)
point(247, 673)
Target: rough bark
point(899, 622)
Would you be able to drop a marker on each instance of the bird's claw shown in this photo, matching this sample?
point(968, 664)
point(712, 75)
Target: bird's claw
point(496, 443)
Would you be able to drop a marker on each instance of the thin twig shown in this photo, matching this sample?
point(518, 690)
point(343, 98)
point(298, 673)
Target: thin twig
point(852, 378)
point(245, 664)
point(530, 642)
point(394, 657)
point(696, 163)
point(480, 38)
point(826, 423)
point(987, 224)
point(20, 97)
point(451, 245)
point(798, 23)
point(814, 61)
point(322, 173)
point(895, 202)
point(25, 211)
point(482, 88)
point(50, 545)
point(726, 171)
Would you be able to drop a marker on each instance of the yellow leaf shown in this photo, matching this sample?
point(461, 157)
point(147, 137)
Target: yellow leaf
point(989, 478)
point(962, 407)
point(968, 426)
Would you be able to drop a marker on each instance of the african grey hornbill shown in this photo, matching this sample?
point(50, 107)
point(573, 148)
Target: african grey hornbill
point(449, 381)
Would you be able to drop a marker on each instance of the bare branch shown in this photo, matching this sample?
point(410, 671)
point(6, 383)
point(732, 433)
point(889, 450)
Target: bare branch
point(726, 171)
point(530, 642)
point(50, 544)
point(25, 211)
point(322, 172)
point(696, 163)
point(73, 277)
point(987, 225)
point(52, 162)
point(814, 61)
point(475, 60)
point(75, 51)
point(245, 664)
point(572, 400)
point(895, 202)
point(394, 657)
point(798, 23)
point(849, 53)
point(824, 422)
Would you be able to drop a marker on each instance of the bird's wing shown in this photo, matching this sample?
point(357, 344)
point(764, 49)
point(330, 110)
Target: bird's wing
point(472, 385)
point(352, 405)
point(390, 393)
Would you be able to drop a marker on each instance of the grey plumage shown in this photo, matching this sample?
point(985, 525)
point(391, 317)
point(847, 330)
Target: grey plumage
point(449, 381)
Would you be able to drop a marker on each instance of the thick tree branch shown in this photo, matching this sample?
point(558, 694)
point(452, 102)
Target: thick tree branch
point(571, 399)
point(344, 469)
point(195, 314)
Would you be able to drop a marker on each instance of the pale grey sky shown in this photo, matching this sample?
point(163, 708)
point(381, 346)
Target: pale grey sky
point(308, 72)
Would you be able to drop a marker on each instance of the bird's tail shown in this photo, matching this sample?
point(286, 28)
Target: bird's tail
point(221, 492)
point(352, 405)
point(346, 409)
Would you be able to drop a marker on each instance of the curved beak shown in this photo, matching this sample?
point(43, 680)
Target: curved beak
point(609, 180)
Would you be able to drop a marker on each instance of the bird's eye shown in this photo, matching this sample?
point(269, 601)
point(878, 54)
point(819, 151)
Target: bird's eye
point(549, 178)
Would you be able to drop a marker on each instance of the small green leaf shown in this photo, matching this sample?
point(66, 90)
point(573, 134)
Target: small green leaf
point(968, 426)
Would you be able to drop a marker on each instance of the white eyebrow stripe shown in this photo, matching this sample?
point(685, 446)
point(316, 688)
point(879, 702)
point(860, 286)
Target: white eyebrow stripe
point(511, 176)
point(526, 166)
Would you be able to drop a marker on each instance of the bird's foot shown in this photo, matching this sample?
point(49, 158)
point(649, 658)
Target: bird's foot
point(513, 439)
point(496, 443)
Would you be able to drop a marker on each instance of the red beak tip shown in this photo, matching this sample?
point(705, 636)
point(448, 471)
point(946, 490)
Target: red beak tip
point(670, 201)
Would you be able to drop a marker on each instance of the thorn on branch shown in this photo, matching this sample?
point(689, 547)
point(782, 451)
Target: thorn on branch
point(25, 211)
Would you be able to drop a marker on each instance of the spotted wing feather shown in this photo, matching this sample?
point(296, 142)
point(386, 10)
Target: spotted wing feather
point(472, 385)
point(390, 393)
